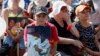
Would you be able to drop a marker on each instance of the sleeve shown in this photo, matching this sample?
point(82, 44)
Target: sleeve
point(54, 34)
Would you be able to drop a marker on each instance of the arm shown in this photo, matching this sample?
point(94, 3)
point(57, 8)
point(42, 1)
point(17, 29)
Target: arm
point(70, 41)
point(4, 15)
point(94, 53)
point(73, 28)
point(25, 36)
point(53, 49)
point(97, 29)
point(9, 33)
point(97, 42)
point(29, 8)
point(54, 40)
point(29, 12)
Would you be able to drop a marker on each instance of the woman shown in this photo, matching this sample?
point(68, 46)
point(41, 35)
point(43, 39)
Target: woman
point(66, 30)
point(13, 11)
point(87, 30)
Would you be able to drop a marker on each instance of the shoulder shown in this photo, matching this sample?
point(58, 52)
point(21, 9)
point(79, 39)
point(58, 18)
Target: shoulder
point(6, 10)
point(32, 24)
point(77, 25)
point(51, 20)
point(50, 24)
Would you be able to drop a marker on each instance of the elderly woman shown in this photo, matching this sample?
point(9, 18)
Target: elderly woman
point(87, 30)
point(66, 30)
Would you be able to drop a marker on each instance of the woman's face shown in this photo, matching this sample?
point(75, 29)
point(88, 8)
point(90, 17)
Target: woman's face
point(64, 12)
point(84, 15)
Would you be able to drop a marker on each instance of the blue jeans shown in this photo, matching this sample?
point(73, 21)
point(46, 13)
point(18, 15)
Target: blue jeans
point(8, 40)
point(5, 4)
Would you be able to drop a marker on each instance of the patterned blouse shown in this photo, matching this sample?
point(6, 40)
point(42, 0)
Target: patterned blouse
point(87, 36)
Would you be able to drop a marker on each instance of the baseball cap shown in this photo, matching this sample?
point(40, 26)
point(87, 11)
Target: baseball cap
point(40, 9)
point(80, 8)
point(57, 5)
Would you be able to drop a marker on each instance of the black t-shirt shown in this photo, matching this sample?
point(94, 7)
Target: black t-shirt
point(62, 32)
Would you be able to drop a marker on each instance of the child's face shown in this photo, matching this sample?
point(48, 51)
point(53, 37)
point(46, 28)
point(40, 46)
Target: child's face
point(18, 24)
point(23, 22)
point(41, 18)
point(11, 23)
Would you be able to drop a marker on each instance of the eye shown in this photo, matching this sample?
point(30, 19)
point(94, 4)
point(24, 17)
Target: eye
point(64, 9)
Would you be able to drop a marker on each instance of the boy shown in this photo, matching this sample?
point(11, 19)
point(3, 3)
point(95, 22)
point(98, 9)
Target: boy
point(40, 36)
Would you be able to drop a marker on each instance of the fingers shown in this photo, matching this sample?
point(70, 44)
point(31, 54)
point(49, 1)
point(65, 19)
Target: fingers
point(78, 44)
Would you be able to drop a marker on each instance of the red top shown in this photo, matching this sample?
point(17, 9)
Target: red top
point(54, 33)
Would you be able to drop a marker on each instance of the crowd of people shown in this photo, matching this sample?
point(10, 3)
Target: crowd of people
point(51, 27)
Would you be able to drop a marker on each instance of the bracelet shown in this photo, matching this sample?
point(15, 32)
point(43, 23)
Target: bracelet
point(69, 27)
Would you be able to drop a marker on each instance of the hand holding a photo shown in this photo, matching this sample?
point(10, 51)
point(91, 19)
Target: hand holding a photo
point(37, 48)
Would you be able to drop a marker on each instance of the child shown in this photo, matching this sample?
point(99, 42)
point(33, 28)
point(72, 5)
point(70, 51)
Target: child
point(40, 36)
point(86, 30)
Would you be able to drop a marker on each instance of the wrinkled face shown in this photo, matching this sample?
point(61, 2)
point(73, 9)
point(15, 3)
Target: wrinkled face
point(42, 17)
point(64, 12)
point(84, 15)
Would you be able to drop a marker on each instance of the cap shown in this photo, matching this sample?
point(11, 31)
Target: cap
point(57, 5)
point(40, 9)
point(80, 8)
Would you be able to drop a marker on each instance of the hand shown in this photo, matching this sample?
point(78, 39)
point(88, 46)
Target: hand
point(97, 53)
point(66, 17)
point(37, 48)
point(78, 44)
point(93, 53)
point(16, 39)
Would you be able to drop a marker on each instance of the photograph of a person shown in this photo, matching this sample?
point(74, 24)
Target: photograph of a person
point(38, 43)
